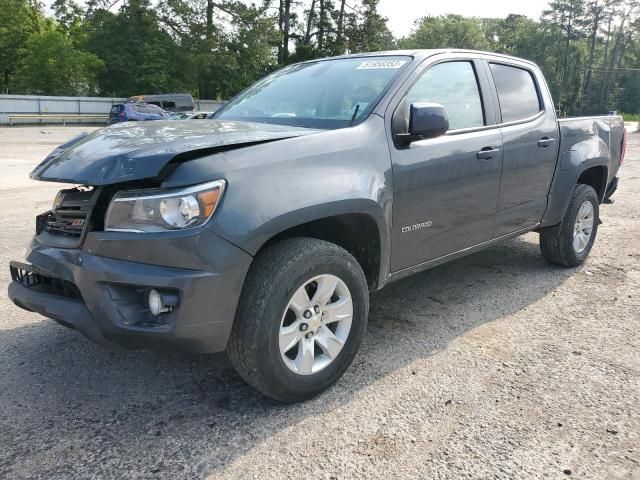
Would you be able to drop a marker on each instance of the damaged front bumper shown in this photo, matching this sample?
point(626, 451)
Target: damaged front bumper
point(102, 288)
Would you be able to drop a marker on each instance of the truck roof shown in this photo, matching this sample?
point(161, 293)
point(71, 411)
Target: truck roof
point(424, 53)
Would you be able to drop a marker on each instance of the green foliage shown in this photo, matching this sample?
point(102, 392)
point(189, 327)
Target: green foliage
point(68, 14)
point(222, 61)
point(139, 57)
point(450, 31)
point(18, 21)
point(369, 32)
point(53, 66)
point(589, 50)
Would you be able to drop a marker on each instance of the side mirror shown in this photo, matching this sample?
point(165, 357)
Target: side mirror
point(426, 120)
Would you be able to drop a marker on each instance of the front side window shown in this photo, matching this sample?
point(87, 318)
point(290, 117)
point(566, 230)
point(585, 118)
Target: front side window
point(324, 94)
point(454, 86)
point(517, 92)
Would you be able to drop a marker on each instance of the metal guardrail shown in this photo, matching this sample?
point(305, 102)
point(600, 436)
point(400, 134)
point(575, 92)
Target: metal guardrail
point(51, 108)
point(64, 117)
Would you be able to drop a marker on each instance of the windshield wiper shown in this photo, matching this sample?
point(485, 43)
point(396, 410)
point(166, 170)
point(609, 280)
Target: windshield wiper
point(355, 114)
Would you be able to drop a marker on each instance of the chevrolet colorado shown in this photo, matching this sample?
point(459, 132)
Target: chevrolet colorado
point(262, 231)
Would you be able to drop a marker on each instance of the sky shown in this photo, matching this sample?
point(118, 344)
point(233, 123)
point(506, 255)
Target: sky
point(402, 13)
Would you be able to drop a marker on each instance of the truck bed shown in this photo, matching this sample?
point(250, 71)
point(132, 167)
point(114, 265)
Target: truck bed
point(592, 137)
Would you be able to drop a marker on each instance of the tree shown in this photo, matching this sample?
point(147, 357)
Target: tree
point(589, 50)
point(621, 37)
point(68, 14)
point(449, 31)
point(229, 45)
point(19, 19)
point(368, 32)
point(52, 66)
point(596, 12)
point(139, 57)
point(568, 18)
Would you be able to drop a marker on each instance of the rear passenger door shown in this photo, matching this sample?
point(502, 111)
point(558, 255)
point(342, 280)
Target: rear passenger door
point(530, 144)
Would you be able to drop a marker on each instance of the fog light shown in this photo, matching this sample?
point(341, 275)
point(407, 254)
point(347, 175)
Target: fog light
point(161, 302)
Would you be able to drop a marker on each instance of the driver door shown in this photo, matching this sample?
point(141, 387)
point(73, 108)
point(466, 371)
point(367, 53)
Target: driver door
point(446, 188)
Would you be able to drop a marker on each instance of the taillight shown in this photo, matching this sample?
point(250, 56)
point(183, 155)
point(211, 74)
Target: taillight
point(623, 150)
point(122, 113)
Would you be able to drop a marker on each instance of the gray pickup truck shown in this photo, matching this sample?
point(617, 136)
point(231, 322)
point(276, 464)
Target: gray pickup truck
point(262, 231)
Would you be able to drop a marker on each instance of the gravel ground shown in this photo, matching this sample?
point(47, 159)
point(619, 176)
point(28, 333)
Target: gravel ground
point(494, 366)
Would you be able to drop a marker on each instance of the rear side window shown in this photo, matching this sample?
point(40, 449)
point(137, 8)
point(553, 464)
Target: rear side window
point(116, 109)
point(155, 110)
point(141, 109)
point(517, 92)
point(454, 86)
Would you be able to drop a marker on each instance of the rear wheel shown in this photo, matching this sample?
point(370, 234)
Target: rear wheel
point(569, 243)
point(301, 318)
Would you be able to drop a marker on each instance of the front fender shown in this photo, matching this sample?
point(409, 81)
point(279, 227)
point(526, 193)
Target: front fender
point(279, 185)
point(261, 231)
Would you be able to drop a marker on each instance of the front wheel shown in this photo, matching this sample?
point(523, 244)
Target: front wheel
point(569, 243)
point(301, 319)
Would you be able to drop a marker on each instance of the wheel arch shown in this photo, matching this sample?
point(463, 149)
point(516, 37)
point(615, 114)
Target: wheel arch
point(579, 165)
point(595, 177)
point(359, 233)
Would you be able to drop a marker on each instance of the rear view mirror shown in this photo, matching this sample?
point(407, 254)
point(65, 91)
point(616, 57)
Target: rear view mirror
point(426, 120)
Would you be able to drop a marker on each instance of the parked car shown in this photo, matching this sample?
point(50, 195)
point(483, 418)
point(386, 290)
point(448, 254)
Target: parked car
point(192, 116)
point(134, 112)
point(170, 102)
point(263, 231)
point(179, 115)
point(200, 116)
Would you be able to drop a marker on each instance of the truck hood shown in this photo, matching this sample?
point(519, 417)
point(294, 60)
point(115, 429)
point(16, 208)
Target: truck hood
point(135, 151)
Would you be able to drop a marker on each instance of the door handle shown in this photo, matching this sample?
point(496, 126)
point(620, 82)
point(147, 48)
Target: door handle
point(545, 142)
point(487, 153)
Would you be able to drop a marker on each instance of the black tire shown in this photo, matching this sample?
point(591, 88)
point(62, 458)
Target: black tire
point(556, 243)
point(273, 278)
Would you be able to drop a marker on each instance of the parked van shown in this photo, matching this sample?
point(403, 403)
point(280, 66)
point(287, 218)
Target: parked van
point(171, 102)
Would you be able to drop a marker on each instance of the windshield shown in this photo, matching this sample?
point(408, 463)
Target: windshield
point(326, 94)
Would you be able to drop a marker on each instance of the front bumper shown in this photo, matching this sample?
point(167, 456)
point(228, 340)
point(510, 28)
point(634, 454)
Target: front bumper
point(112, 274)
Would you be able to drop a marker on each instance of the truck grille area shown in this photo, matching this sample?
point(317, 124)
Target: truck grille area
point(68, 222)
point(34, 278)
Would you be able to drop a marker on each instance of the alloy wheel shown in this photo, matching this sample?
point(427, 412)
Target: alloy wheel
point(315, 324)
point(583, 227)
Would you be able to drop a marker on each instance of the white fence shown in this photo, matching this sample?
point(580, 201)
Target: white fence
point(39, 105)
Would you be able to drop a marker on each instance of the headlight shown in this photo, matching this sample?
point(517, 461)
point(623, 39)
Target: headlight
point(158, 210)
